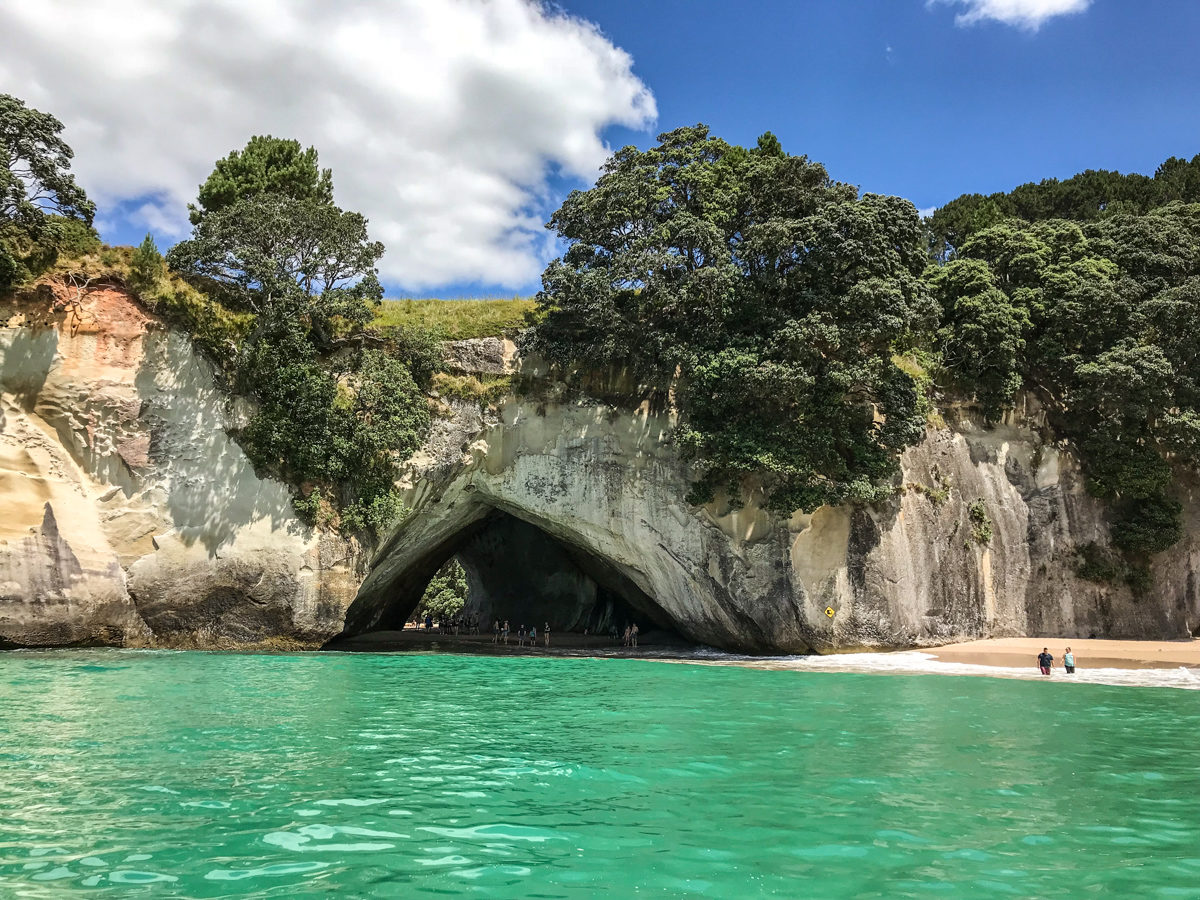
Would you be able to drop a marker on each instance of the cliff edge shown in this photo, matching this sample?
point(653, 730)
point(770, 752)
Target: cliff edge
point(127, 514)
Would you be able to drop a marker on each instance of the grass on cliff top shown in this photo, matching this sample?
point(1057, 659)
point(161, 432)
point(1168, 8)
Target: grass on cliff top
point(457, 320)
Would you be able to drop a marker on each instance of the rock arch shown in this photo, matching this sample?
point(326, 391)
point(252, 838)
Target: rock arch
point(605, 490)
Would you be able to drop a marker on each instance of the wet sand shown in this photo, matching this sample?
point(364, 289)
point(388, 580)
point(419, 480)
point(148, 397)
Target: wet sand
point(1089, 654)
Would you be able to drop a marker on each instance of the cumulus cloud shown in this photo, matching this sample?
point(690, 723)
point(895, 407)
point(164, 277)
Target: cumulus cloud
point(442, 121)
point(1028, 14)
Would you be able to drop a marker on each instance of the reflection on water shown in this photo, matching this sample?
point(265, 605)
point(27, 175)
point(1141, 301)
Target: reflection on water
point(211, 775)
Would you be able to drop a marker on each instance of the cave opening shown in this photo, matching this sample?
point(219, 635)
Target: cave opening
point(520, 573)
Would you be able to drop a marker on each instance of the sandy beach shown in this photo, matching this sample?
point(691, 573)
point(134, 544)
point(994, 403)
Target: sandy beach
point(1089, 654)
point(1130, 663)
point(1170, 664)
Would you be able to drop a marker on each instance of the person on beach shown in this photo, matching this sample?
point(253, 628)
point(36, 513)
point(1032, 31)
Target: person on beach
point(495, 631)
point(532, 635)
point(546, 633)
point(1069, 661)
point(521, 636)
point(504, 631)
point(625, 637)
point(1045, 660)
point(633, 634)
point(428, 622)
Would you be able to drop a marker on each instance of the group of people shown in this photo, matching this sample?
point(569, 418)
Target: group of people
point(463, 623)
point(500, 632)
point(1045, 661)
point(457, 624)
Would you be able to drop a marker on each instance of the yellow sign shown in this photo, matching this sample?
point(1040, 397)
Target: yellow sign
point(829, 611)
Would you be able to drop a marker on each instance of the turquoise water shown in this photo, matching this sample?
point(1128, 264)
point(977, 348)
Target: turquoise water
point(209, 775)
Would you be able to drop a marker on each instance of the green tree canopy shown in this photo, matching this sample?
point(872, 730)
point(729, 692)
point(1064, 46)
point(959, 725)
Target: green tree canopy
point(776, 295)
point(267, 239)
point(1108, 314)
point(267, 166)
point(266, 251)
point(1090, 196)
point(446, 593)
point(39, 198)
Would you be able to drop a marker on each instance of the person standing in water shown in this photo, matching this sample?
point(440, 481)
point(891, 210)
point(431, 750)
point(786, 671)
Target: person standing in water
point(546, 633)
point(1069, 661)
point(1045, 660)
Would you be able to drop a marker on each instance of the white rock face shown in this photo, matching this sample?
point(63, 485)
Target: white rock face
point(127, 514)
point(917, 572)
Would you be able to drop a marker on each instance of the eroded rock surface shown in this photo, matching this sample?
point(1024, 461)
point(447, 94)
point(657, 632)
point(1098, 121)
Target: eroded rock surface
point(129, 516)
point(920, 571)
point(127, 513)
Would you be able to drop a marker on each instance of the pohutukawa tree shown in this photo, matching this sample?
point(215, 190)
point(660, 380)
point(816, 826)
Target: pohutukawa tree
point(38, 193)
point(268, 239)
point(773, 296)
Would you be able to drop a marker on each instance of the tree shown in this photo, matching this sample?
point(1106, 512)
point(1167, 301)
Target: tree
point(146, 265)
point(446, 594)
point(268, 240)
point(38, 193)
point(1108, 319)
point(265, 252)
point(267, 166)
point(773, 294)
point(982, 337)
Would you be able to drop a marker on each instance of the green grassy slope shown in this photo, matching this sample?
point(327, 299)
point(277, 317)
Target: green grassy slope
point(457, 319)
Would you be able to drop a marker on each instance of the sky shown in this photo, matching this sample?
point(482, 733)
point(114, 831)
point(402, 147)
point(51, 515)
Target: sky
point(458, 126)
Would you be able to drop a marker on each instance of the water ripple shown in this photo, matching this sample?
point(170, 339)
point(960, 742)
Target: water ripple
point(265, 776)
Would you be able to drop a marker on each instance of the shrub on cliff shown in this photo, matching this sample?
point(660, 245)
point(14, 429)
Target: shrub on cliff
point(775, 295)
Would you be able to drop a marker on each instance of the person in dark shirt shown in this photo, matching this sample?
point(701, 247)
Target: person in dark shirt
point(1045, 660)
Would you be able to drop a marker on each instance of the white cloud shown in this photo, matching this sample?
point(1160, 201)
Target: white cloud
point(1028, 14)
point(441, 119)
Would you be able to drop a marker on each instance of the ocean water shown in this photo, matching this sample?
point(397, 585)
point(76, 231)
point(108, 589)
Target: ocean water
point(131, 774)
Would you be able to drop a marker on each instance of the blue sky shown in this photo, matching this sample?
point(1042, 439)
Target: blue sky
point(458, 126)
point(893, 96)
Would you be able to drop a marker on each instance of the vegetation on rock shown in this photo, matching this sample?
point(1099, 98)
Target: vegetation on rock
point(42, 210)
point(1101, 320)
point(802, 329)
point(334, 415)
point(981, 522)
point(776, 298)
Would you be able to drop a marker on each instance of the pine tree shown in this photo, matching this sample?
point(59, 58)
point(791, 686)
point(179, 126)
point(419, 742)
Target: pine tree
point(146, 265)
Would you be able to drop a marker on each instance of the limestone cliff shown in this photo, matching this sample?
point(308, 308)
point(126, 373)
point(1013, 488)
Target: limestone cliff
point(981, 540)
point(127, 514)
